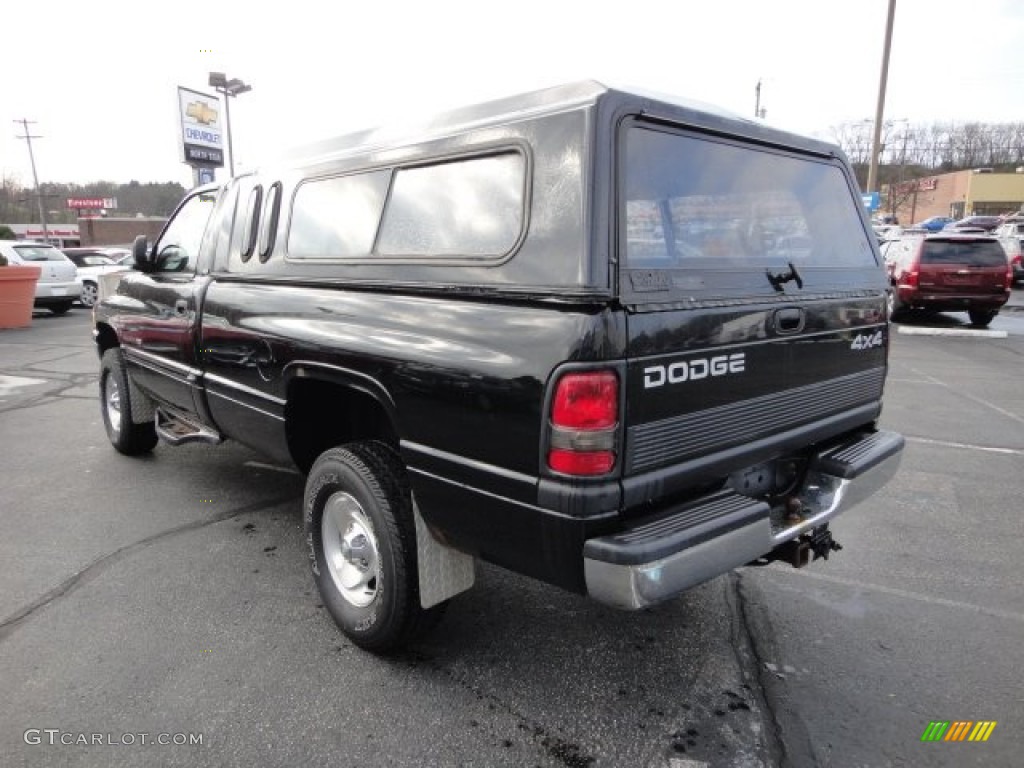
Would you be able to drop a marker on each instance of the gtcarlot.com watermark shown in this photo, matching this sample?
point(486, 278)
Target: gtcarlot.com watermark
point(57, 737)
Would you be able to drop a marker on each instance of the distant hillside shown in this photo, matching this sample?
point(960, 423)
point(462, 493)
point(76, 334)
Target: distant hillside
point(18, 202)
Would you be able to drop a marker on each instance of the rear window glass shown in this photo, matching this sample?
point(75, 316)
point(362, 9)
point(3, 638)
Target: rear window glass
point(695, 203)
point(979, 253)
point(38, 253)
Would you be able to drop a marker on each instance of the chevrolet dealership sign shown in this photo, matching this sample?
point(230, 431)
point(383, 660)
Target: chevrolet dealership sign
point(202, 129)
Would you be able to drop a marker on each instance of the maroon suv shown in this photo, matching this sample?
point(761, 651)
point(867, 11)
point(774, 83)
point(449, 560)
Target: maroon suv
point(948, 272)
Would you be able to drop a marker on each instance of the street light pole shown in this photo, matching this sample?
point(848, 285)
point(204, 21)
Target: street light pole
point(230, 89)
point(35, 178)
point(880, 107)
point(759, 111)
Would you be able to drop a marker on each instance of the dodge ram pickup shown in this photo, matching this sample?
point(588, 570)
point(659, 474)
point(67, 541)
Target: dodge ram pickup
point(619, 343)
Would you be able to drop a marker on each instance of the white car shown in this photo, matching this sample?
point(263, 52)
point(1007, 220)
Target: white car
point(91, 263)
point(1011, 237)
point(58, 285)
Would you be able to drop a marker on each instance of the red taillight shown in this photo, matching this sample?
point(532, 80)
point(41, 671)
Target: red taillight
point(586, 401)
point(911, 276)
point(581, 463)
point(584, 423)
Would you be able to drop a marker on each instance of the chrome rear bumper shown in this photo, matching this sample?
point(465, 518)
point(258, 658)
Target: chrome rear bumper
point(666, 555)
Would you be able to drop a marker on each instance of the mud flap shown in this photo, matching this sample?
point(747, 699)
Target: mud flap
point(143, 408)
point(443, 572)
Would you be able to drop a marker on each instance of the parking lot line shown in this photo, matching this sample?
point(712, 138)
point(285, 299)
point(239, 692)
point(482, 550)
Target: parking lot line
point(966, 446)
point(972, 398)
point(902, 593)
point(915, 331)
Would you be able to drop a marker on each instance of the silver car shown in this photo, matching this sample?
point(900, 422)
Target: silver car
point(58, 286)
point(92, 263)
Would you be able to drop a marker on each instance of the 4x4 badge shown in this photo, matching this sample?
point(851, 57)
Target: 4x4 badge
point(867, 340)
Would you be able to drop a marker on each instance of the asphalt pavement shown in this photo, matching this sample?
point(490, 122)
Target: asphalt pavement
point(167, 599)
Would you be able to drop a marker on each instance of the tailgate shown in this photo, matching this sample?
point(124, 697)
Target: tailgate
point(755, 300)
point(958, 265)
point(713, 390)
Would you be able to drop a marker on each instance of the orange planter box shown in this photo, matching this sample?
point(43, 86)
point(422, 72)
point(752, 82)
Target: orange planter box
point(17, 295)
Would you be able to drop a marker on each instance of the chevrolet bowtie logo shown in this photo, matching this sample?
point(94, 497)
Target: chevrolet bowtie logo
point(201, 113)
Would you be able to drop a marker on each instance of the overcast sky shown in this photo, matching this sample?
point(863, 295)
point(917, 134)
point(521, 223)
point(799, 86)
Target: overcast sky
point(100, 78)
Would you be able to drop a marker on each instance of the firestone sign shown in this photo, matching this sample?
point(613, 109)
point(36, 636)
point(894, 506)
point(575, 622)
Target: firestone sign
point(98, 203)
point(202, 132)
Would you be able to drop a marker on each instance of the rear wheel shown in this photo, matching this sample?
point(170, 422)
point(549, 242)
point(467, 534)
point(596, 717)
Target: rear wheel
point(981, 317)
point(896, 307)
point(362, 545)
point(124, 434)
point(60, 308)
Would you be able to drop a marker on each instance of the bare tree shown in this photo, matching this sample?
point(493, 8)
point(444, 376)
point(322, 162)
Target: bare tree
point(936, 147)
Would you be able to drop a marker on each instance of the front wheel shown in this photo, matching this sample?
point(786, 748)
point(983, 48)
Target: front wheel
point(981, 317)
point(90, 292)
point(362, 544)
point(124, 434)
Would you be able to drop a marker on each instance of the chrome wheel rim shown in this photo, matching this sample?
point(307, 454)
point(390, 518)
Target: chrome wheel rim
point(113, 403)
point(89, 294)
point(350, 549)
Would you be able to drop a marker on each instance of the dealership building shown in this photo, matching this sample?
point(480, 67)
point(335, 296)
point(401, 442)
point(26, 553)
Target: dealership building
point(94, 231)
point(975, 192)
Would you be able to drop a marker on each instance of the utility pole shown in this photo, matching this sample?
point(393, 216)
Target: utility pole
point(35, 178)
point(880, 107)
point(758, 111)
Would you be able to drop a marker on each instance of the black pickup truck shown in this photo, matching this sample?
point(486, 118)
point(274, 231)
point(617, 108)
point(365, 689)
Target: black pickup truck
point(615, 342)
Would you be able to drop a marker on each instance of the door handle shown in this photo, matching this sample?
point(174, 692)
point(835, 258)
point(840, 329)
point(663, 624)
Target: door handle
point(181, 308)
point(789, 320)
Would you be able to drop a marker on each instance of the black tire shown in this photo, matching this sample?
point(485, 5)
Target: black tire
point(60, 308)
point(897, 309)
point(125, 435)
point(362, 546)
point(981, 317)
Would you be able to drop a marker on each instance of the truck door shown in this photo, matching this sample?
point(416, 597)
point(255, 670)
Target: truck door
point(158, 334)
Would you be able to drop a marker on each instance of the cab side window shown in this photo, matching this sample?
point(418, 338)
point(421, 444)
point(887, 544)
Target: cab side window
point(177, 250)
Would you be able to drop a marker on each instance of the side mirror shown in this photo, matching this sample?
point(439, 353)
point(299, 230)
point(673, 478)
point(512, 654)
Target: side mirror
point(142, 255)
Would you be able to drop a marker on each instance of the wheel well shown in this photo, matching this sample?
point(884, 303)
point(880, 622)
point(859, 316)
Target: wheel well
point(322, 414)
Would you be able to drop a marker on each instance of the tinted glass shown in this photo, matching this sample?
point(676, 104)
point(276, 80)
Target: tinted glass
point(693, 202)
point(471, 207)
point(178, 247)
point(38, 253)
point(268, 228)
point(252, 216)
point(337, 218)
point(979, 253)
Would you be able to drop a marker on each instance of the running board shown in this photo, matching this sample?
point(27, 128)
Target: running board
point(174, 429)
